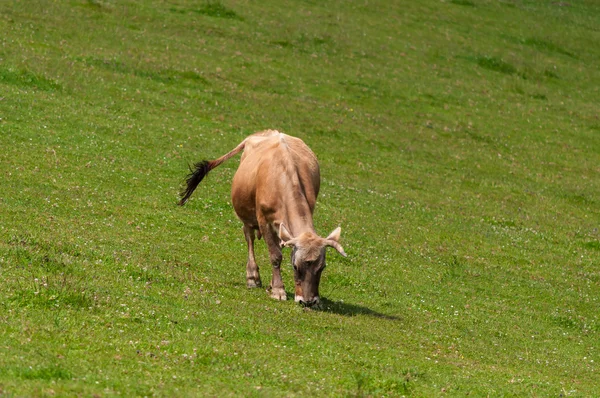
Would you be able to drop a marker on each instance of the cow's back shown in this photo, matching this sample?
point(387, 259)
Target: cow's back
point(273, 167)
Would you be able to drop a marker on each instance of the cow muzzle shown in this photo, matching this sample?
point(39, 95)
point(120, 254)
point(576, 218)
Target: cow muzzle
point(308, 303)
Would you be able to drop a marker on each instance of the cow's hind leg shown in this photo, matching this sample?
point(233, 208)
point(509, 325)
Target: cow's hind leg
point(272, 241)
point(252, 275)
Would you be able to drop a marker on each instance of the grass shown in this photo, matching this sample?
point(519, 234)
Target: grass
point(459, 149)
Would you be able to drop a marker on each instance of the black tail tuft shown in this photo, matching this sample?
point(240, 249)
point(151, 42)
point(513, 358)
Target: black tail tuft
point(198, 172)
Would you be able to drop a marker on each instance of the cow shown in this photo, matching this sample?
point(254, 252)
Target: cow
point(274, 192)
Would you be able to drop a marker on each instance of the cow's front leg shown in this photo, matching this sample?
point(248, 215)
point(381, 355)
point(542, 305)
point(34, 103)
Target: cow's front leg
point(272, 241)
point(252, 275)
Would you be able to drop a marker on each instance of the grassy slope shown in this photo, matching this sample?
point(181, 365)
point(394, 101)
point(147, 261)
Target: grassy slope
point(459, 144)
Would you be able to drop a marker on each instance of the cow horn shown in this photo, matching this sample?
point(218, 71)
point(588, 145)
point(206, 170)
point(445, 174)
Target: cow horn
point(335, 235)
point(336, 246)
point(284, 234)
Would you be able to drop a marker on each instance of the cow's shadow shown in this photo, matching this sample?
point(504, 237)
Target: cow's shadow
point(342, 308)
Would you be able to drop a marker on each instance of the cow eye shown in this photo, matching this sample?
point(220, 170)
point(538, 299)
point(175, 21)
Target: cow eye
point(295, 267)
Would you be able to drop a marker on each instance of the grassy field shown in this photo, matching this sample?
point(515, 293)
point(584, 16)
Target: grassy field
point(459, 143)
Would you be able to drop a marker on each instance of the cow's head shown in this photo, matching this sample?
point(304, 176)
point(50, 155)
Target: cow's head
point(308, 260)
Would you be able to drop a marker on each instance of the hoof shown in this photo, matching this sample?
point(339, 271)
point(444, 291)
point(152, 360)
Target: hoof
point(278, 294)
point(253, 283)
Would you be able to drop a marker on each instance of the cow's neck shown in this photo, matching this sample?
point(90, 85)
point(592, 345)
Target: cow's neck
point(298, 218)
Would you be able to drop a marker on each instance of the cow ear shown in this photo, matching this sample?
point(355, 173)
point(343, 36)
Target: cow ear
point(336, 246)
point(335, 235)
point(332, 241)
point(285, 236)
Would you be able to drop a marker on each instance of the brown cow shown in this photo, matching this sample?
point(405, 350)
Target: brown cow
point(274, 192)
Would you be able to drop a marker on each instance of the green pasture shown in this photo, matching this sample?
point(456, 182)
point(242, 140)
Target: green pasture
point(459, 143)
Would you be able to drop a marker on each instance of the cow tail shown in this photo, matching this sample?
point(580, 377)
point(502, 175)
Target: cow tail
point(201, 169)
